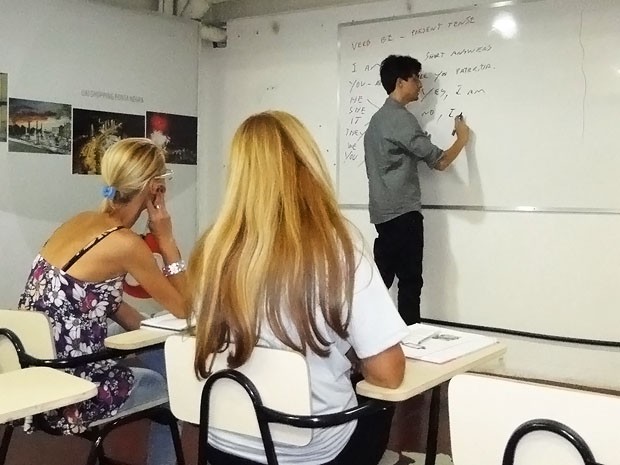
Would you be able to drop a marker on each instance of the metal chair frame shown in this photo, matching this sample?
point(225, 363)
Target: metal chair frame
point(265, 415)
point(96, 434)
point(542, 424)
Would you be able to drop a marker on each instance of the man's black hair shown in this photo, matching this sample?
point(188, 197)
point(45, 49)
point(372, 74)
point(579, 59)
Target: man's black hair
point(398, 66)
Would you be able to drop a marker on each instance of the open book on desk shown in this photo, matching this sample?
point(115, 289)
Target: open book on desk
point(440, 345)
point(166, 321)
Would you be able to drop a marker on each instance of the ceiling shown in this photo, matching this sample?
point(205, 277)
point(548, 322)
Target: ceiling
point(231, 9)
point(214, 14)
point(221, 11)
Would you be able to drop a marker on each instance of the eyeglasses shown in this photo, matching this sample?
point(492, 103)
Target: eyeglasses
point(167, 175)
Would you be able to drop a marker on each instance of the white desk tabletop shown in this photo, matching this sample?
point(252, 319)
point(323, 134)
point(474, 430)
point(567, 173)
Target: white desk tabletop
point(39, 389)
point(137, 339)
point(421, 376)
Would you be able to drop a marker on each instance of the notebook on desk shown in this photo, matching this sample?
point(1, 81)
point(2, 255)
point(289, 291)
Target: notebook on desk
point(440, 345)
point(166, 321)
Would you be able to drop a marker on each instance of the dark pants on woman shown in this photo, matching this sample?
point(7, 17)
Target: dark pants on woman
point(398, 252)
point(365, 447)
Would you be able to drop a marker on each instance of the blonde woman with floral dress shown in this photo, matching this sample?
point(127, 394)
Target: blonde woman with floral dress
point(77, 281)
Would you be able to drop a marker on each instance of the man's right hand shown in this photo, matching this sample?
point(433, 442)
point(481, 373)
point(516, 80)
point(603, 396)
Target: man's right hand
point(462, 130)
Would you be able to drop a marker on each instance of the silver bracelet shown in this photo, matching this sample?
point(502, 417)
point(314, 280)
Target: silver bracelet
point(174, 268)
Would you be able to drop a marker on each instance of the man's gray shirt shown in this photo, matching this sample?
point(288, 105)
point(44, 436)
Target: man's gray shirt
point(393, 144)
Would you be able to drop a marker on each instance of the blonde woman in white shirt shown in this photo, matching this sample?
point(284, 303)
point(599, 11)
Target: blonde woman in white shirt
point(279, 268)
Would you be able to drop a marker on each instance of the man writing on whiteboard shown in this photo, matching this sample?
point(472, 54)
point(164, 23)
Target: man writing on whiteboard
point(394, 143)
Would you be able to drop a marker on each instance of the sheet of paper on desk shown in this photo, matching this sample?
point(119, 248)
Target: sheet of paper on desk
point(440, 345)
point(167, 321)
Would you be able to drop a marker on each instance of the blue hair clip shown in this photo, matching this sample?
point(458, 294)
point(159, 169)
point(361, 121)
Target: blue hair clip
point(108, 192)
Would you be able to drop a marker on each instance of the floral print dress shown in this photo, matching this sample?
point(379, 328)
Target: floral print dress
point(78, 312)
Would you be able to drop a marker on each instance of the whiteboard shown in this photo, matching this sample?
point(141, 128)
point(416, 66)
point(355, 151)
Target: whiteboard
point(538, 83)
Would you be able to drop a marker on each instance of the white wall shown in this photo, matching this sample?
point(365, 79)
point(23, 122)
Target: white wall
point(54, 49)
point(290, 62)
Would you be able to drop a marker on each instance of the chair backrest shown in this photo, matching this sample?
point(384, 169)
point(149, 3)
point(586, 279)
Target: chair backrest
point(484, 412)
point(280, 376)
point(35, 333)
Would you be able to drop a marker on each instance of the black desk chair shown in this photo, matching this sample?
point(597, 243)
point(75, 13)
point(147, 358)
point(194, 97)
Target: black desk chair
point(490, 416)
point(556, 427)
point(26, 341)
point(271, 388)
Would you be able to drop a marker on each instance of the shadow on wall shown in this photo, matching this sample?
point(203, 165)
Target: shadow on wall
point(41, 189)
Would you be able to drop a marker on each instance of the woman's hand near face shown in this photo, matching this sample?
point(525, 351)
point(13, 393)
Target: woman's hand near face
point(160, 223)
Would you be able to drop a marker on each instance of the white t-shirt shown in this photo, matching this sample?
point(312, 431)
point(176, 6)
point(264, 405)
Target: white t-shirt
point(374, 327)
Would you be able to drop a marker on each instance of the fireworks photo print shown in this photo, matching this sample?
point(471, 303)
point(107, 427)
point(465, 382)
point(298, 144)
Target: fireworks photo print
point(178, 134)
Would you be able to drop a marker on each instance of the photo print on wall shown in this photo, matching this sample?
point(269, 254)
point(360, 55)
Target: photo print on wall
point(39, 127)
point(178, 134)
point(94, 131)
point(4, 85)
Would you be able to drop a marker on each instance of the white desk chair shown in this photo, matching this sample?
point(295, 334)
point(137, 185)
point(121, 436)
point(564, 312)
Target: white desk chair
point(273, 387)
point(33, 330)
point(485, 411)
point(26, 340)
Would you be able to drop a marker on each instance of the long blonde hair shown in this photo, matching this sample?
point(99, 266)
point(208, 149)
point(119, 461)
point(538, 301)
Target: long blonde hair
point(279, 251)
point(128, 166)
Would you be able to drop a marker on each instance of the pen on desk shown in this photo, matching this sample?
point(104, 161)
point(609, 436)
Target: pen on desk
point(460, 116)
point(430, 336)
point(418, 344)
point(414, 345)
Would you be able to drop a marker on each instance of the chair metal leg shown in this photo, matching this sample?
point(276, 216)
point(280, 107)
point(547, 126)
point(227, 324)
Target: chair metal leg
point(433, 427)
point(92, 456)
point(176, 440)
point(171, 421)
point(6, 440)
point(159, 415)
point(202, 449)
point(96, 452)
point(103, 460)
point(164, 416)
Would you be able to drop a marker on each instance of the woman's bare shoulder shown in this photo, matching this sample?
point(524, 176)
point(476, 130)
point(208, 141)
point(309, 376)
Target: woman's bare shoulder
point(86, 220)
point(126, 241)
point(80, 229)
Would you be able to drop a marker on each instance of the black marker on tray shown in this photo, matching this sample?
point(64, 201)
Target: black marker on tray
point(460, 116)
